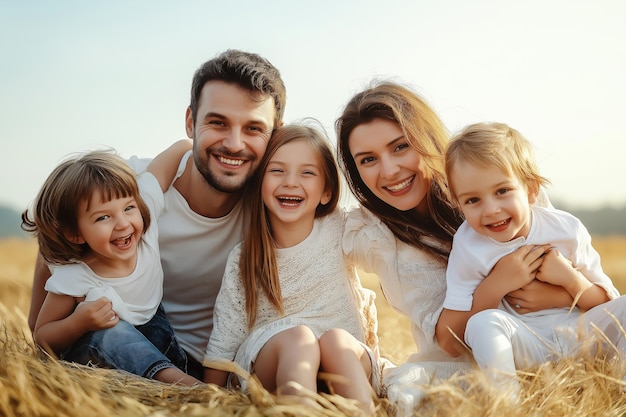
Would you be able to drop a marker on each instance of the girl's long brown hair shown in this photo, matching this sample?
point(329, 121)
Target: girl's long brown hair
point(257, 264)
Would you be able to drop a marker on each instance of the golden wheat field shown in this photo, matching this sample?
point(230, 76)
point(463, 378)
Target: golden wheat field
point(34, 385)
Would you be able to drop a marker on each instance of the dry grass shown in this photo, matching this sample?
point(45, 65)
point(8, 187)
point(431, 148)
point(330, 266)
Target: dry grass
point(34, 385)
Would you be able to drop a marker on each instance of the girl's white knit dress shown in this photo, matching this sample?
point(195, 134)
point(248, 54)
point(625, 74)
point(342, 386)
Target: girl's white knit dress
point(320, 289)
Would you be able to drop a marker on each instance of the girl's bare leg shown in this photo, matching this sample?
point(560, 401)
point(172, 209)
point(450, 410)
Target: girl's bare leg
point(292, 355)
point(343, 355)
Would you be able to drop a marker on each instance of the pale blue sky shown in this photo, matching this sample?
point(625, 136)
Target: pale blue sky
point(77, 75)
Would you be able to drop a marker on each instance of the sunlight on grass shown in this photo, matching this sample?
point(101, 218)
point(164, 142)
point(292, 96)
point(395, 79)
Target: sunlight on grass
point(34, 384)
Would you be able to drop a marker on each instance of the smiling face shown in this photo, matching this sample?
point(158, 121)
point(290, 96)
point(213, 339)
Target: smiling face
point(388, 165)
point(293, 186)
point(494, 203)
point(230, 134)
point(112, 230)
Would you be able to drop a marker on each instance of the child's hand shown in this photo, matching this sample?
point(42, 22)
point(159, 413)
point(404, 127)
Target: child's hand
point(96, 315)
point(519, 268)
point(556, 269)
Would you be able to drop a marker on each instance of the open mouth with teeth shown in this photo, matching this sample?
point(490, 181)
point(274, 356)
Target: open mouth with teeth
point(287, 201)
point(499, 225)
point(122, 242)
point(401, 185)
point(230, 162)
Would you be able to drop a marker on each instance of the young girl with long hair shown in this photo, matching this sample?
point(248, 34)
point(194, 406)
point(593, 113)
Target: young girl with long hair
point(291, 305)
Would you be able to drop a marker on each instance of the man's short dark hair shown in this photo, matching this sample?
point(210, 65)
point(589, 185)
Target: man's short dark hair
point(249, 71)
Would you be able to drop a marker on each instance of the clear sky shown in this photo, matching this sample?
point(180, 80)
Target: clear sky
point(77, 75)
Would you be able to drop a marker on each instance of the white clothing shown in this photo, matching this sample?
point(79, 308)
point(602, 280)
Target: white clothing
point(320, 290)
point(414, 284)
point(503, 342)
point(194, 250)
point(503, 339)
point(474, 255)
point(135, 297)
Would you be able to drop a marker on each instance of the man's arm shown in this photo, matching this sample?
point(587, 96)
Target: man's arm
point(38, 293)
point(215, 376)
point(165, 165)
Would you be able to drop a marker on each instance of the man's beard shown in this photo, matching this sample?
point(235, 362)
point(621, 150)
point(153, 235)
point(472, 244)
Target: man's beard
point(220, 182)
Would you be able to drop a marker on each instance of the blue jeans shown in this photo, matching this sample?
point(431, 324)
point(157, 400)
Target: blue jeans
point(142, 350)
point(194, 368)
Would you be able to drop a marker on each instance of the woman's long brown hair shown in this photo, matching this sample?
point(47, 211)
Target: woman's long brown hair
point(427, 135)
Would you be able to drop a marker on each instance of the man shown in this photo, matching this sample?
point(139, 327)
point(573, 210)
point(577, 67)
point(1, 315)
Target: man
point(237, 100)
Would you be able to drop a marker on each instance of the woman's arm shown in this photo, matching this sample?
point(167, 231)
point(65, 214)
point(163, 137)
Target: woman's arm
point(511, 272)
point(165, 165)
point(538, 295)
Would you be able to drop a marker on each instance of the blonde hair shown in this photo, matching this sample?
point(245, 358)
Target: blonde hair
point(71, 183)
point(495, 144)
point(257, 265)
point(426, 133)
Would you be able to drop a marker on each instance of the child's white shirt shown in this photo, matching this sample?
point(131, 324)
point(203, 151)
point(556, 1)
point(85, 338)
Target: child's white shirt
point(474, 255)
point(135, 297)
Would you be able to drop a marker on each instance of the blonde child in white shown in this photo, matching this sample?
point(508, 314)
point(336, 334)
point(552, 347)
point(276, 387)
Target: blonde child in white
point(495, 181)
point(291, 305)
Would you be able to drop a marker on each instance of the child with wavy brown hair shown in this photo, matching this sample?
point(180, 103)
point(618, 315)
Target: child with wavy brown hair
point(92, 220)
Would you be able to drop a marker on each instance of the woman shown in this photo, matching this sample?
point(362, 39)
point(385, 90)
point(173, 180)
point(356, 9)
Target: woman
point(390, 149)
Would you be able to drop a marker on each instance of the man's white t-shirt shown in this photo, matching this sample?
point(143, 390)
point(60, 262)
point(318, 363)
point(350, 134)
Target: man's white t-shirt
point(194, 250)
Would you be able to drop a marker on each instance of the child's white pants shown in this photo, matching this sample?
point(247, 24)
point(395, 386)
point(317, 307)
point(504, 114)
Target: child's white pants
point(502, 341)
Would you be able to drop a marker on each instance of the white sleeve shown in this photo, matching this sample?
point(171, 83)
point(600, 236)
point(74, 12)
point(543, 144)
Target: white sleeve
point(542, 199)
point(368, 243)
point(151, 193)
point(72, 280)
point(230, 325)
point(138, 164)
point(462, 277)
point(587, 260)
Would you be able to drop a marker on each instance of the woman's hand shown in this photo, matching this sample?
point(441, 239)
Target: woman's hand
point(538, 295)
